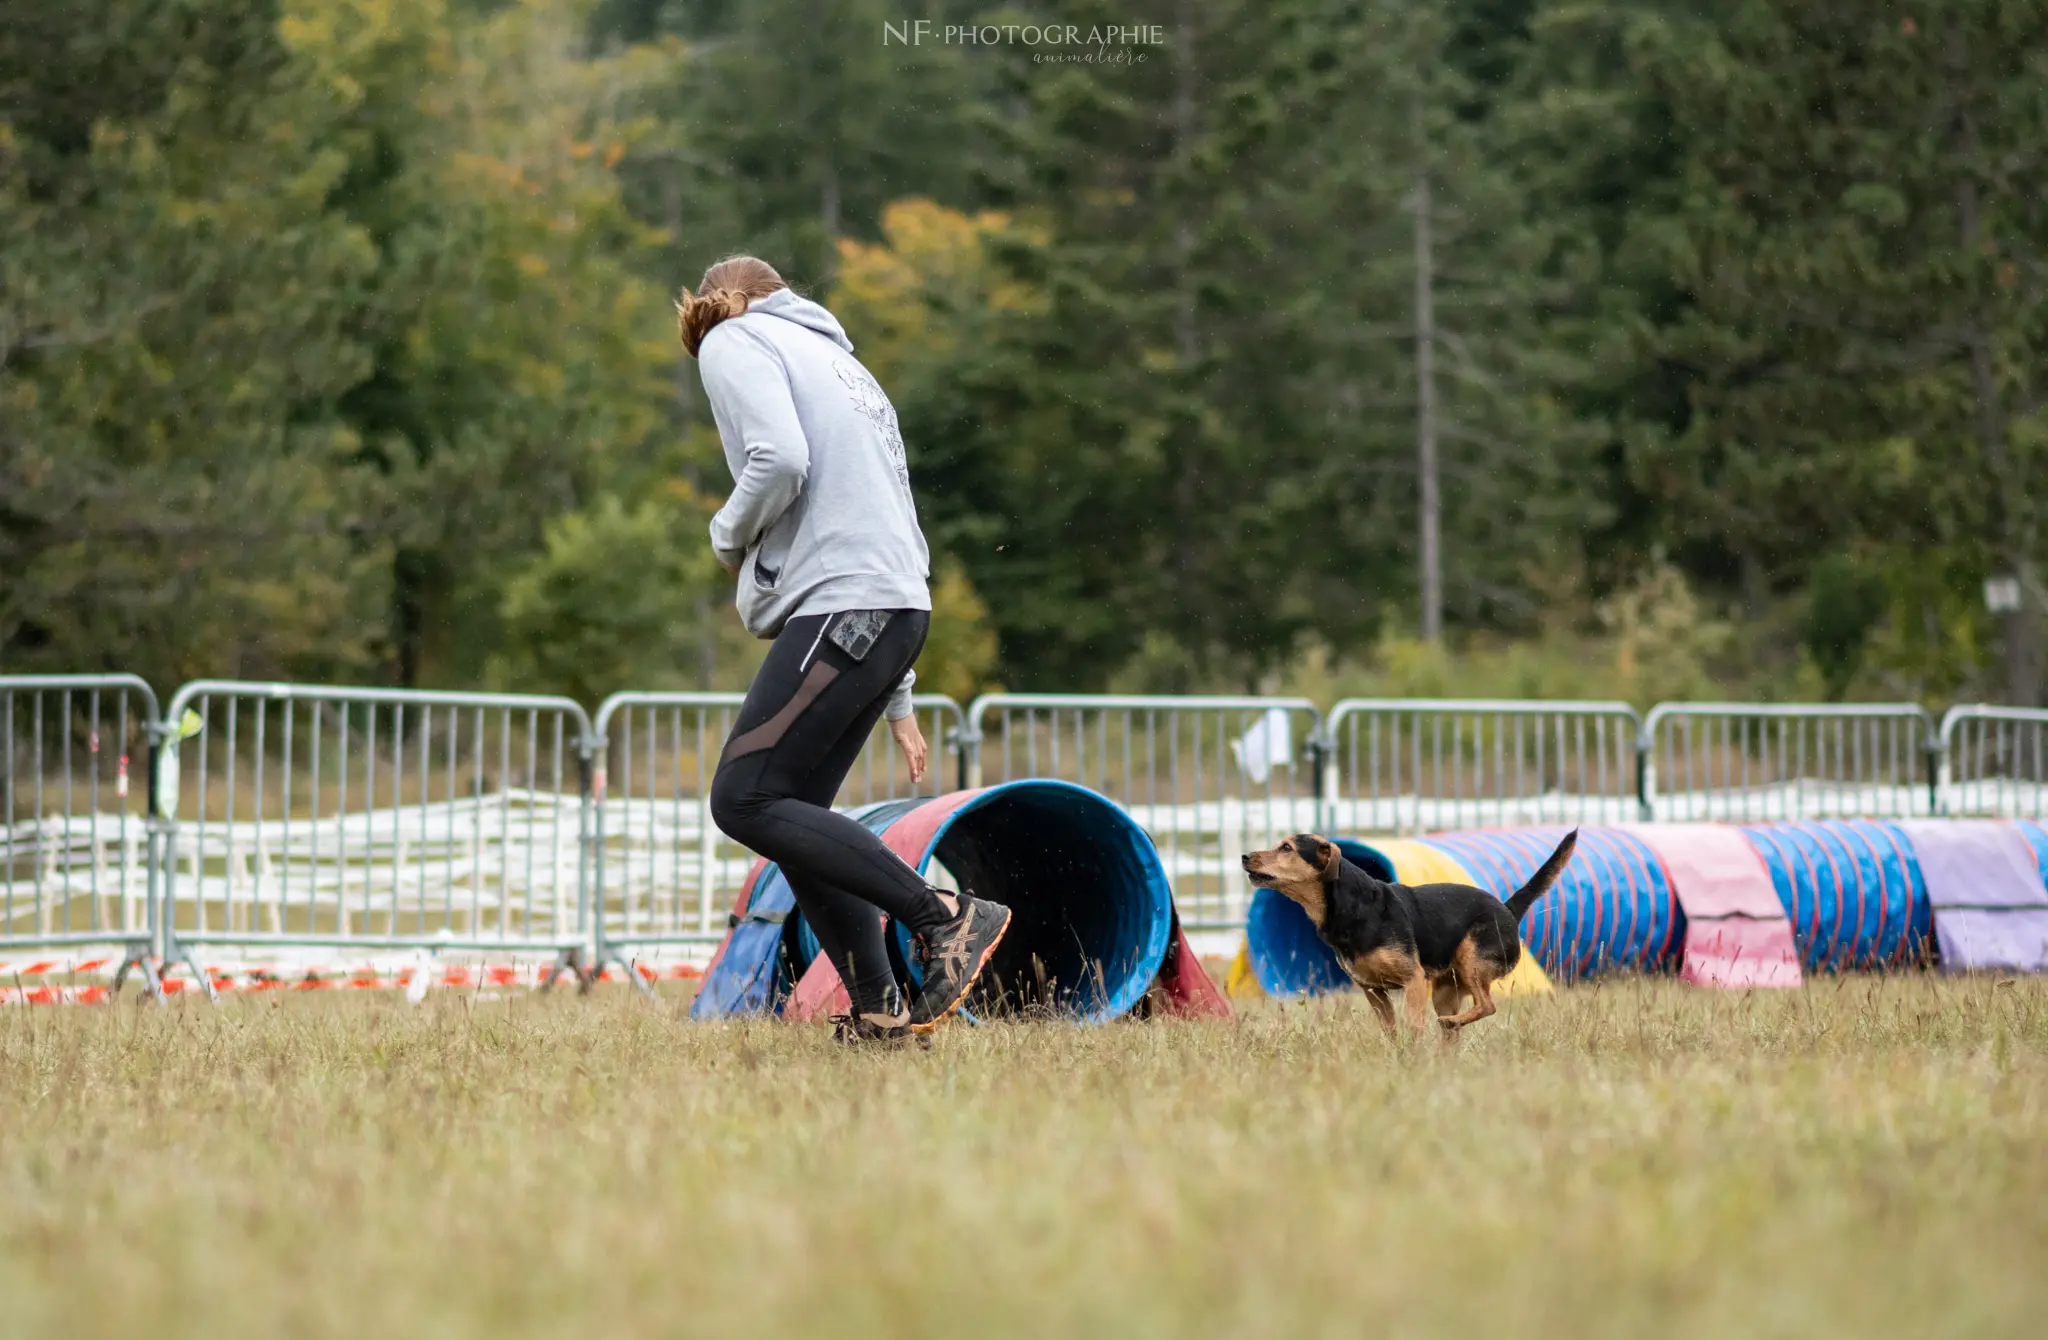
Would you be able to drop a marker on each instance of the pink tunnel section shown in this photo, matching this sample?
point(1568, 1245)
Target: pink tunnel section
point(1181, 987)
point(1184, 986)
point(1736, 932)
point(1985, 888)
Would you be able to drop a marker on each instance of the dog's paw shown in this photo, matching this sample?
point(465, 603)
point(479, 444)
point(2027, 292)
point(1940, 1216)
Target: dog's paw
point(1449, 1025)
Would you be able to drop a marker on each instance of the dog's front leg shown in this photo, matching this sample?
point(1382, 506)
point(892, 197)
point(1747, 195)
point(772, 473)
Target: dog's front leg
point(1420, 1000)
point(1384, 1008)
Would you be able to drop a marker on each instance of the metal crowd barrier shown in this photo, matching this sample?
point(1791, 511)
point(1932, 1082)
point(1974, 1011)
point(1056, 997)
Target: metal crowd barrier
point(1411, 765)
point(1208, 777)
point(1753, 762)
point(310, 816)
point(307, 817)
point(78, 837)
point(1994, 762)
point(662, 873)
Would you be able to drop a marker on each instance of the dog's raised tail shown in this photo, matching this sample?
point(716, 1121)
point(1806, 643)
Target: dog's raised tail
point(1540, 882)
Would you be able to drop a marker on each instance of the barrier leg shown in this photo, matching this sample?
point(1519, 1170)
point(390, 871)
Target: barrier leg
point(205, 982)
point(632, 975)
point(567, 961)
point(137, 959)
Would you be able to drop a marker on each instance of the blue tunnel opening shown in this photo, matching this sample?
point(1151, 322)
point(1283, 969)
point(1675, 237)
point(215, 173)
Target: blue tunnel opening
point(1287, 955)
point(1092, 910)
point(1091, 906)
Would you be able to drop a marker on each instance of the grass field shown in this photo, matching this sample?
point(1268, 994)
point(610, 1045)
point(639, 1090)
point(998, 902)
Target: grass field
point(1865, 1157)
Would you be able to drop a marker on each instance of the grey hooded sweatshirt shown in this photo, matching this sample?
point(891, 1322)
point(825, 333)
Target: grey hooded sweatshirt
point(821, 517)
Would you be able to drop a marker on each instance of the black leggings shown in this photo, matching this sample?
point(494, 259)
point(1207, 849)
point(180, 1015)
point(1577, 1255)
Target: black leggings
point(807, 714)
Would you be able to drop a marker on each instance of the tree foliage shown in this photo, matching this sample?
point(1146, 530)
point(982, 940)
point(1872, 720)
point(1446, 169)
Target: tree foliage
point(334, 338)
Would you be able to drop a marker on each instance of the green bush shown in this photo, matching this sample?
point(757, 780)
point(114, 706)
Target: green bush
point(615, 599)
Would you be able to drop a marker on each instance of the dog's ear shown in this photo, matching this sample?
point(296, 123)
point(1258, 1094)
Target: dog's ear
point(1324, 856)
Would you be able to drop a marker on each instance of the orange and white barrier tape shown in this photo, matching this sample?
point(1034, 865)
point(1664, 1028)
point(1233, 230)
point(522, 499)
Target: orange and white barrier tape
point(54, 995)
point(413, 977)
point(50, 967)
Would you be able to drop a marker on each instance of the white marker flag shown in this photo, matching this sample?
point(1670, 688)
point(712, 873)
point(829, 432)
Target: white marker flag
point(1269, 744)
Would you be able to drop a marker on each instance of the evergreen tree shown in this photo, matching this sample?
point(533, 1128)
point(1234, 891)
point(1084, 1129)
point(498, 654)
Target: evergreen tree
point(1863, 241)
point(1442, 283)
point(176, 305)
point(1229, 357)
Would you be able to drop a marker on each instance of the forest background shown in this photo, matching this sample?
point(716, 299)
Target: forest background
point(1550, 348)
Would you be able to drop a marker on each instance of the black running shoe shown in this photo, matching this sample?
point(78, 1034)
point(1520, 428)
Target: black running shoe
point(854, 1029)
point(953, 956)
point(861, 1030)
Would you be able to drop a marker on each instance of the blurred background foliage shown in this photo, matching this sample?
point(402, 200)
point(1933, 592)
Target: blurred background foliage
point(335, 339)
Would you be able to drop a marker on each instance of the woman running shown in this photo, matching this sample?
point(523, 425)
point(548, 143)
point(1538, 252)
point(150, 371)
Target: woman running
point(822, 532)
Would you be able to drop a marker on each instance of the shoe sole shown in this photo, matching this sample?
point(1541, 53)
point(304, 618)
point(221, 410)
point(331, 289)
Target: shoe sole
point(897, 1043)
point(920, 1030)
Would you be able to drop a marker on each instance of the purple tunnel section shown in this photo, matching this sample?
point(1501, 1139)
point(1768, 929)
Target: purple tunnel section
point(1984, 885)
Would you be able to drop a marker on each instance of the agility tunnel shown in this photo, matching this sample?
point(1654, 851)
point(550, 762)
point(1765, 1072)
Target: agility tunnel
point(1756, 905)
point(1966, 894)
point(1094, 934)
point(1284, 956)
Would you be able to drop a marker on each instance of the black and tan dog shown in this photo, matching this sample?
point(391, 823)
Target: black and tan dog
point(1434, 943)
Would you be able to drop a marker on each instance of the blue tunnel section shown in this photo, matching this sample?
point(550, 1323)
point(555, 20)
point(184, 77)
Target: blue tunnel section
point(1852, 890)
point(1611, 911)
point(754, 969)
point(2037, 838)
point(769, 947)
point(1092, 907)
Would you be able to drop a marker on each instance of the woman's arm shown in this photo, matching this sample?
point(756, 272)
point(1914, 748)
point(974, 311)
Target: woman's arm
point(749, 391)
point(903, 726)
point(899, 697)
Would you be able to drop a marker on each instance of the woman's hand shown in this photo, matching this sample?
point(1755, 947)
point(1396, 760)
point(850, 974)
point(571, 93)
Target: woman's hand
point(911, 741)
